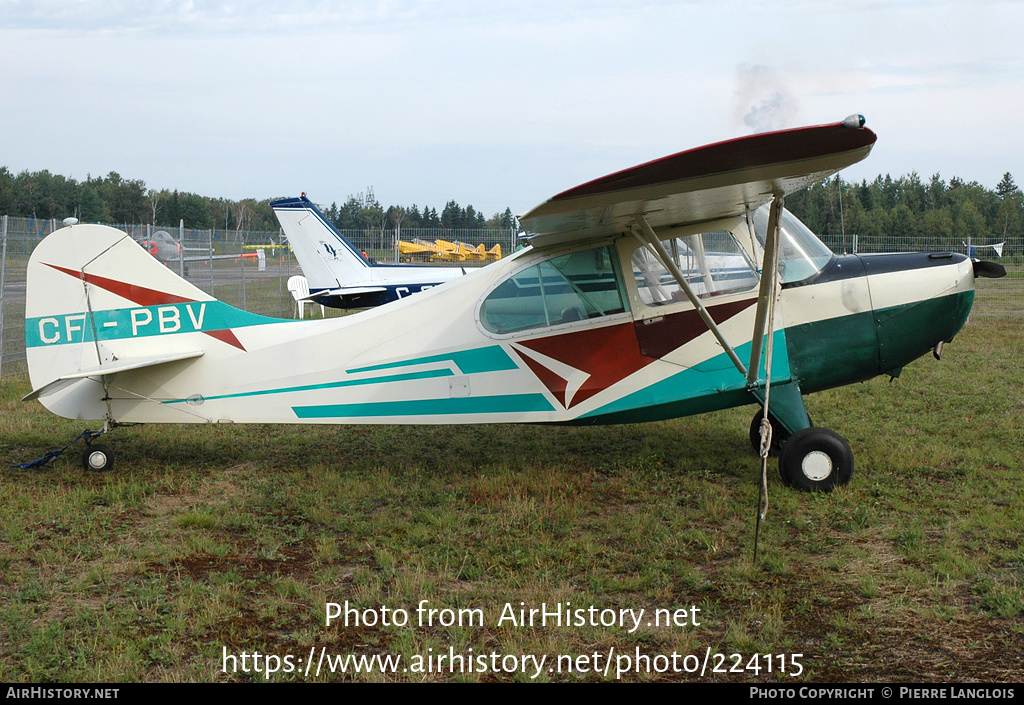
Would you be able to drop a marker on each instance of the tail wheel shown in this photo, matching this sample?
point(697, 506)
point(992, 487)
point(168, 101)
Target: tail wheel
point(97, 458)
point(816, 460)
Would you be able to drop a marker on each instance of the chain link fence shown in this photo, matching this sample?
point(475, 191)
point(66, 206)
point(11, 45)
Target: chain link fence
point(246, 269)
point(250, 269)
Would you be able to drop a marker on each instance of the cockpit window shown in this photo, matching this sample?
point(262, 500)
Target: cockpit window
point(713, 264)
point(802, 255)
point(573, 287)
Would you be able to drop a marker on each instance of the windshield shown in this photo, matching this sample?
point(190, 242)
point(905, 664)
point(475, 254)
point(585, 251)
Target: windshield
point(802, 255)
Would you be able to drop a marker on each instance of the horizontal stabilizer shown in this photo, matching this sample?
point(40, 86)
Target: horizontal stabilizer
point(109, 368)
point(347, 291)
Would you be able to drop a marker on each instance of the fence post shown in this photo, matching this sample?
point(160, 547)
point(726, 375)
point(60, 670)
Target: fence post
point(279, 261)
point(181, 248)
point(241, 263)
point(3, 287)
point(209, 248)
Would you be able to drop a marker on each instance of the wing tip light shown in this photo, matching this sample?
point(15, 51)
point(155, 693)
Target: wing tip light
point(855, 121)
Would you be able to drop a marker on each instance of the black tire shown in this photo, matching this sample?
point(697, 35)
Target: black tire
point(816, 460)
point(779, 434)
point(97, 458)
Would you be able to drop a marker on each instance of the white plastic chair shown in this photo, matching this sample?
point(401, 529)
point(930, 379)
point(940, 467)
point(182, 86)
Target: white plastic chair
point(299, 289)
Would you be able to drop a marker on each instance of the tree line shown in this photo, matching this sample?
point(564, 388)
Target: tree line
point(910, 208)
point(366, 213)
point(114, 199)
point(905, 207)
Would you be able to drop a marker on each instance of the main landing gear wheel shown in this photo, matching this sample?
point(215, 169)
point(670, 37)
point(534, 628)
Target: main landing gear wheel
point(779, 434)
point(97, 458)
point(816, 460)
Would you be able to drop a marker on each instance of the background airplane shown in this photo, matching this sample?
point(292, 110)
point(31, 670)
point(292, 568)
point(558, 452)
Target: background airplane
point(672, 288)
point(166, 249)
point(339, 275)
point(445, 251)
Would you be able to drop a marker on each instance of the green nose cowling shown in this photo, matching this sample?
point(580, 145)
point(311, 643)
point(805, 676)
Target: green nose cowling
point(905, 333)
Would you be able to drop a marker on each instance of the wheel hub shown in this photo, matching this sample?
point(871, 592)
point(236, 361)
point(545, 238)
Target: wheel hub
point(97, 459)
point(816, 465)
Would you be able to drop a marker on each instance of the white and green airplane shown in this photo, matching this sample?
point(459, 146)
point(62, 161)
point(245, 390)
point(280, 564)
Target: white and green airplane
point(656, 292)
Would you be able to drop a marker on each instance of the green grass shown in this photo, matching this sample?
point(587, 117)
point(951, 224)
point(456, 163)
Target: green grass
point(211, 538)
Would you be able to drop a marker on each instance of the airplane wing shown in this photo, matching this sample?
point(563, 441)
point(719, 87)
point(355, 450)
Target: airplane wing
point(702, 184)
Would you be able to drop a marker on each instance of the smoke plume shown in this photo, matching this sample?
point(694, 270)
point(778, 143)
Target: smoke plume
point(763, 102)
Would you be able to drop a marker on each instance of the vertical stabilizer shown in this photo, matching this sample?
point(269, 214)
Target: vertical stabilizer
point(327, 259)
point(98, 306)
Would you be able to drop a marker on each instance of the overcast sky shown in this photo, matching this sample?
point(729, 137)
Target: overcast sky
point(491, 103)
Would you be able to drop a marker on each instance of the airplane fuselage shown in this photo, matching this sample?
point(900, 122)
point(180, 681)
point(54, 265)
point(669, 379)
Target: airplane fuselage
point(384, 283)
point(586, 349)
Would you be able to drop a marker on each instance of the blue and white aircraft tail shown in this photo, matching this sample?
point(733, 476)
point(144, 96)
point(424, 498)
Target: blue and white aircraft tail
point(339, 275)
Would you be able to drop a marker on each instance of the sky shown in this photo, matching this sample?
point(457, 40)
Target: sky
point(493, 104)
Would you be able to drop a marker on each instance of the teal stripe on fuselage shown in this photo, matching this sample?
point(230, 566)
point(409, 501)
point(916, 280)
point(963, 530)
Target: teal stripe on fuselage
point(138, 322)
point(489, 359)
point(428, 374)
point(502, 404)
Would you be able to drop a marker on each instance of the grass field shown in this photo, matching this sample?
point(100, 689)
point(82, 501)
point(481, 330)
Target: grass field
point(207, 541)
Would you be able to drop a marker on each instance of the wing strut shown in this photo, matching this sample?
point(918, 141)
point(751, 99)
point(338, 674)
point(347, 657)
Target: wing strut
point(764, 317)
point(648, 236)
point(769, 270)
